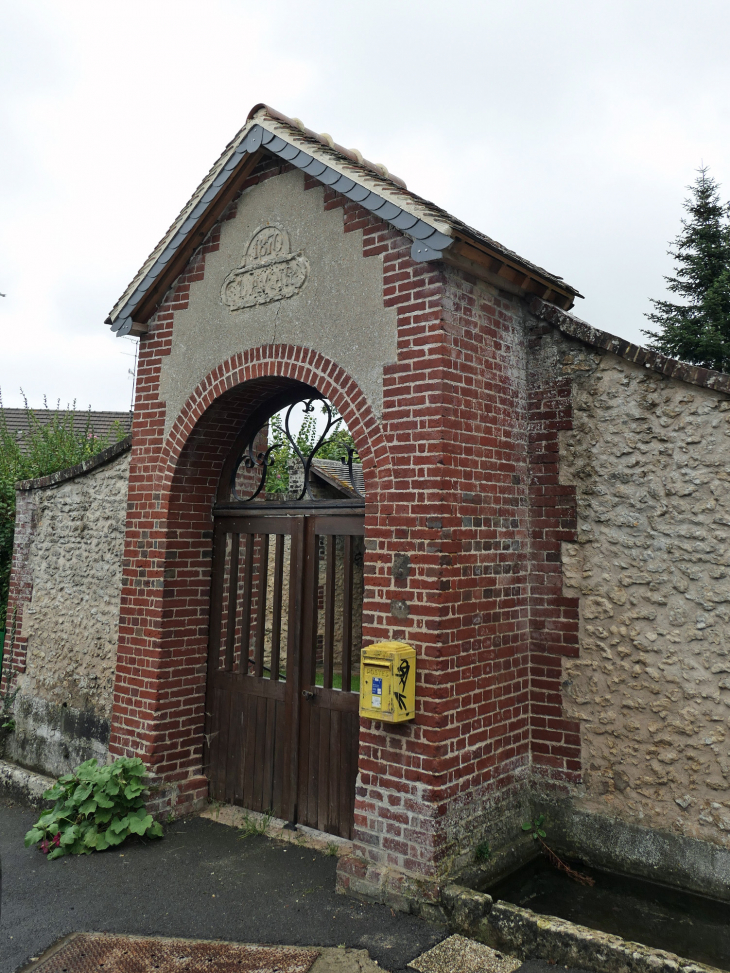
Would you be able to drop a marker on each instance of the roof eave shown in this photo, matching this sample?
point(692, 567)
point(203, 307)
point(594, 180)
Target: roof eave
point(510, 273)
point(434, 233)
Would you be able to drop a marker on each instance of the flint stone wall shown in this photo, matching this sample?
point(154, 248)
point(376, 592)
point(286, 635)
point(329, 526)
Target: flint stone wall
point(74, 569)
point(650, 460)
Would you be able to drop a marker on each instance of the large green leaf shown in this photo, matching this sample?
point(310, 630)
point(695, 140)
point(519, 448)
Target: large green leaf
point(132, 790)
point(138, 824)
point(115, 839)
point(119, 824)
point(69, 836)
point(102, 799)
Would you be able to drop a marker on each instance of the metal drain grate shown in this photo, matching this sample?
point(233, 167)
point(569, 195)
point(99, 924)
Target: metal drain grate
point(100, 953)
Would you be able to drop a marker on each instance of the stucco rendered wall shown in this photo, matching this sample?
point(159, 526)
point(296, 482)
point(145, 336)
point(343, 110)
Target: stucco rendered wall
point(650, 460)
point(338, 309)
point(74, 565)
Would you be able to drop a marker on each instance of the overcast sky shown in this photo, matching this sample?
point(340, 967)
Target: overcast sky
point(566, 130)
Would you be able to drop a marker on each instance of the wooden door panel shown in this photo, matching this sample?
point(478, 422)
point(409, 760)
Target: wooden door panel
point(282, 709)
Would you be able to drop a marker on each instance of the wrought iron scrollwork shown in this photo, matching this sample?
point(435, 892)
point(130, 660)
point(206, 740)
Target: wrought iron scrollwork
point(264, 461)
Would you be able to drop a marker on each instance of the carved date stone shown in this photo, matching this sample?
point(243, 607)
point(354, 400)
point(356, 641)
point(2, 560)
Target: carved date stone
point(268, 273)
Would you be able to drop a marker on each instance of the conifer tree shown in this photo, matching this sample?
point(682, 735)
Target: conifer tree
point(698, 330)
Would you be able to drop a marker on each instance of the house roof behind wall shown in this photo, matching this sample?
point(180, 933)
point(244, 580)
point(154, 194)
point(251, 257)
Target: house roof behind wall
point(102, 423)
point(434, 232)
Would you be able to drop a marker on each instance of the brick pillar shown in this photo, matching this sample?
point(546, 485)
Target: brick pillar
point(21, 584)
point(555, 744)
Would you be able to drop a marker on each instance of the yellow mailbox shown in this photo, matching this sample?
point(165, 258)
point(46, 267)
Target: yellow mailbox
point(388, 682)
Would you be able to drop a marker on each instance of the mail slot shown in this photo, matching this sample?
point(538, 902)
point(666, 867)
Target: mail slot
point(388, 682)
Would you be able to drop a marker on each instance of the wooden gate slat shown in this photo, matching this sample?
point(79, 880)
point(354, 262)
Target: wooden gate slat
point(258, 781)
point(234, 744)
point(250, 758)
point(333, 781)
point(246, 603)
point(246, 742)
point(314, 780)
point(280, 735)
point(261, 612)
point(347, 615)
point(268, 755)
point(276, 606)
point(348, 755)
point(324, 756)
point(329, 613)
point(232, 601)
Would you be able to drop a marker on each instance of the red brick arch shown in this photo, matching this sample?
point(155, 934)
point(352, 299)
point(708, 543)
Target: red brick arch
point(161, 663)
point(291, 362)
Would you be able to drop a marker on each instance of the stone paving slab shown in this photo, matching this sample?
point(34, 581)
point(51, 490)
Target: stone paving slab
point(457, 954)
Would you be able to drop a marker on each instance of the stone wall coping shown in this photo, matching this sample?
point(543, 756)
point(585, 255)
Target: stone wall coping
point(80, 469)
point(574, 327)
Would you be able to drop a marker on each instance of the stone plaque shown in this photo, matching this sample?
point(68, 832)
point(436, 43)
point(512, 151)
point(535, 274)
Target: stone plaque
point(268, 273)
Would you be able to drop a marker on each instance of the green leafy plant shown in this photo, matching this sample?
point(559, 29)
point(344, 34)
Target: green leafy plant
point(482, 852)
point(333, 849)
point(334, 447)
point(96, 808)
point(535, 827)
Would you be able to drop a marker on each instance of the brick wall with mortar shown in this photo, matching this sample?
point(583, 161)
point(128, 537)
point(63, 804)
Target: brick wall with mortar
point(455, 536)
point(446, 476)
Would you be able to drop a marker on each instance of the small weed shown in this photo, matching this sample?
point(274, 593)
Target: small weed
point(253, 826)
point(332, 850)
point(535, 827)
point(482, 852)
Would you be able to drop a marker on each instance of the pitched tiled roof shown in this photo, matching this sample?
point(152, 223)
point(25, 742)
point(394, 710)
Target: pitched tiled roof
point(102, 423)
point(337, 475)
point(432, 229)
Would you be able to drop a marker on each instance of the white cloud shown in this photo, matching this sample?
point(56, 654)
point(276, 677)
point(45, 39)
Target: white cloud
point(567, 131)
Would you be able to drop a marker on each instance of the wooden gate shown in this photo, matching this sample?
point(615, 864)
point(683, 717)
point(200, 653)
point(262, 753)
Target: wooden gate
point(282, 720)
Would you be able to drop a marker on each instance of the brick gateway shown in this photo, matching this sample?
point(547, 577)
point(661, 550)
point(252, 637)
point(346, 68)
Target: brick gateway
point(526, 527)
point(435, 398)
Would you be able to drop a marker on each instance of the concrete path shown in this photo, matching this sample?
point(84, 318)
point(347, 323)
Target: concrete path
point(201, 881)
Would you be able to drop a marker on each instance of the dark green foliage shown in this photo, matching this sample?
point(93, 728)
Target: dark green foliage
point(482, 852)
point(334, 447)
point(47, 448)
point(535, 827)
point(698, 330)
point(96, 808)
